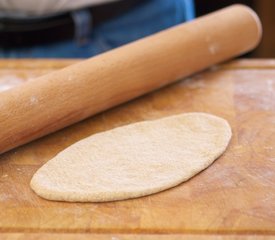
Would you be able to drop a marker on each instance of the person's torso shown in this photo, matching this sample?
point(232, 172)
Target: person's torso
point(44, 7)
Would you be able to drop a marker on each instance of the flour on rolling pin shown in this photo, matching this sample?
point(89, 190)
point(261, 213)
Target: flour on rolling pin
point(213, 47)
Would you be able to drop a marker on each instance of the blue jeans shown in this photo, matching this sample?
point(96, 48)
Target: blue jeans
point(147, 18)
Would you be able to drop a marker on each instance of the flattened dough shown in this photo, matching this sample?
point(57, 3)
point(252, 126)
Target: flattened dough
point(134, 160)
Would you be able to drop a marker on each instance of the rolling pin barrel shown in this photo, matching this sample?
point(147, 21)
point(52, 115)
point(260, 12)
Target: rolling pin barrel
point(66, 96)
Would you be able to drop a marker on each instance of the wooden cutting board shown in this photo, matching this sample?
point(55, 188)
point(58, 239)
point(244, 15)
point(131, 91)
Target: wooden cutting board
point(234, 198)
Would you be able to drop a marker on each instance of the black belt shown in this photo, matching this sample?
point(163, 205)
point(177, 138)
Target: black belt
point(20, 32)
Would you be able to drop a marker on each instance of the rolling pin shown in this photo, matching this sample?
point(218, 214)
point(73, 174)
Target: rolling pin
point(61, 98)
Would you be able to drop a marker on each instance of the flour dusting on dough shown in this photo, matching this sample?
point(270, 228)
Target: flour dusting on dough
point(134, 160)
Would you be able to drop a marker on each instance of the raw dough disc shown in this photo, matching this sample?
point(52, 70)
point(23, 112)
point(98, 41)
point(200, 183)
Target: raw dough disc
point(133, 160)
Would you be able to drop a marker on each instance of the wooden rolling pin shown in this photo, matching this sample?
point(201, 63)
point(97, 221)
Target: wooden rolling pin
point(66, 96)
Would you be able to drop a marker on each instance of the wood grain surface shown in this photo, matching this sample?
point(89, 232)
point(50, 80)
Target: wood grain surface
point(86, 236)
point(232, 199)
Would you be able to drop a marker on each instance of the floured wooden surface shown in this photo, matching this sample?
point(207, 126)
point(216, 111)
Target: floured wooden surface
point(16, 72)
point(236, 195)
point(9, 82)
